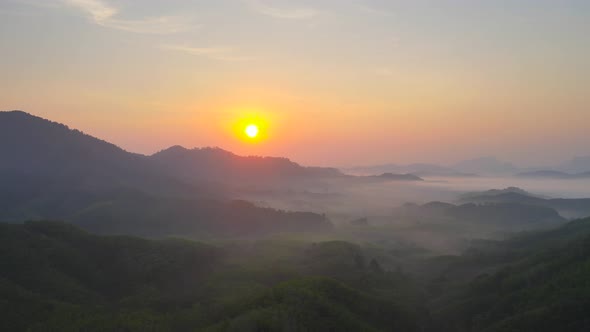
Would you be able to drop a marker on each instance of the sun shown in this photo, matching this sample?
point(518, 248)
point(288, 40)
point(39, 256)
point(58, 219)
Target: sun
point(251, 127)
point(251, 130)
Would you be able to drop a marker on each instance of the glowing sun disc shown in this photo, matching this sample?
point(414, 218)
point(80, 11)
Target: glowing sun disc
point(251, 130)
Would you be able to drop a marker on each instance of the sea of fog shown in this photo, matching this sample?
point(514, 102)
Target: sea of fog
point(578, 188)
point(344, 201)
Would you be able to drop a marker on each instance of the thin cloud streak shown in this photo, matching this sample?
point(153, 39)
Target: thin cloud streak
point(375, 11)
point(216, 53)
point(291, 13)
point(104, 15)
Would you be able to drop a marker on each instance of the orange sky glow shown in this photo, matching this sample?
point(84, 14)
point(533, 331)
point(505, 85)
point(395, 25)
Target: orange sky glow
point(327, 83)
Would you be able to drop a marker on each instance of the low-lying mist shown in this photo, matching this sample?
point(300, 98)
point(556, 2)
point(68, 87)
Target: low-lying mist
point(371, 211)
point(564, 188)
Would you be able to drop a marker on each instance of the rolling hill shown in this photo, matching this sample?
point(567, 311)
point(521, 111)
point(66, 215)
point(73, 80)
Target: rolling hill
point(508, 216)
point(215, 164)
point(548, 174)
point(539, 284)
point(567, 207)
point(57, 277)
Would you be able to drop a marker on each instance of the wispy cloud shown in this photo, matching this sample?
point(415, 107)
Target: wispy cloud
point(264, 8)
point(105, 15)
point(217, 53)
point(376, 11)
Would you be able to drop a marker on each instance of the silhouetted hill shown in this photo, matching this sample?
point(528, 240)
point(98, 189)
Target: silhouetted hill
point(50, 156)
point(508, 197)
point(506, 214)
point(567, 207)
point(577, 165)
point(399, 177)
point(545, 174)
point(32, 145)
point(485, 165)
point(223, 166)
point(417, 169)
point(430, 210)
point(495, 192)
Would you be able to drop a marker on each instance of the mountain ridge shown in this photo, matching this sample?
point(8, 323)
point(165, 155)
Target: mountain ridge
point(50, 171)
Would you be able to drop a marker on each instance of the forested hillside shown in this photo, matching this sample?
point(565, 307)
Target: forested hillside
point(55, 276)
point(532, 282)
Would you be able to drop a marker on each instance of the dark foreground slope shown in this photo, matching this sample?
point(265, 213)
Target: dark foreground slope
point(55, 277)
point(534, 282)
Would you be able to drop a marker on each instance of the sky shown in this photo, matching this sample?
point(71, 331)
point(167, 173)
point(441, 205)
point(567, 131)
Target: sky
point(332, 82)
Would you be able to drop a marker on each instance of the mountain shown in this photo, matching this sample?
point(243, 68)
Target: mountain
point(43, 156)
point(428, 210)
point(485, 165)
point(549, 174)
point(418, 169)
point(577, 165)
point(567, 207)
point(219, 165)
point(32, 146)
point(495, 192)
point(545, 174)
point(506, 215)
point(503, 197)
point(467, 168)
point(50, 171)
point(398, 177)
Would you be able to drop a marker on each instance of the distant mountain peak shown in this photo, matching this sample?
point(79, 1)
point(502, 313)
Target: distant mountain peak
point(18, 115)
point(219, 164)
point(42, 135)
point(485, 165)
point(399, 177)
point(578, 164)
point(16, 112)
